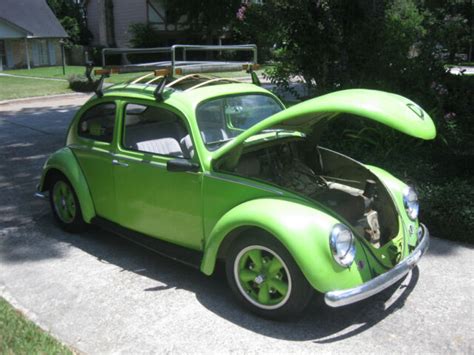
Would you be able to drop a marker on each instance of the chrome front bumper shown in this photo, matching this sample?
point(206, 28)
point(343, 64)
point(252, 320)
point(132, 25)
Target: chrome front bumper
point(344, 297)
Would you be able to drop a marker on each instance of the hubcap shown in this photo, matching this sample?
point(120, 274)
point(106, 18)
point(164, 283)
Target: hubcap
point(63, 201)
point(262, 277)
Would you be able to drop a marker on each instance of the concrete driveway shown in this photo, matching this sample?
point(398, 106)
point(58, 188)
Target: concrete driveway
point(101, 294)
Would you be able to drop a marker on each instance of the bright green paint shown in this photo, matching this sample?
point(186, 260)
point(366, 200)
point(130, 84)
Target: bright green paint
point(263, 277)
point(64, 203)
point(392, 110)
point(199, 210)
point(64, 161)
point(157, 201)
point(396, 187)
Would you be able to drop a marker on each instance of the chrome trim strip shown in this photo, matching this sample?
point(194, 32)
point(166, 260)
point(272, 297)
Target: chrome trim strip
point(121, 156)
point(90, 149)
point(340, 298)
point(41, 195)
point(236, 180)
point(119, 163)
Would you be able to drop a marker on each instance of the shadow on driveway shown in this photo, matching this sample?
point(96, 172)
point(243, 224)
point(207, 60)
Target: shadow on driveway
point(320, 323)
point(27, 233)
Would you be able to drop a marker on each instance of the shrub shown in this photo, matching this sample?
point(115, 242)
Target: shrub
point(81, 84)
point(447, 208)
point(443, 177)
point(398, 46)
point(146, 36)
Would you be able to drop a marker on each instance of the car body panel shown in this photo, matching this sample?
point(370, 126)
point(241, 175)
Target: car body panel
point(396, 187)
point(302, 229)
point(392, 110)
point(64, 161)
point(158, 200)
point(199, 210)
point(228, 200)
point(95, 159)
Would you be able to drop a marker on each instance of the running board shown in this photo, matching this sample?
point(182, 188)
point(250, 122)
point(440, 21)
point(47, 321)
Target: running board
point(175, 252)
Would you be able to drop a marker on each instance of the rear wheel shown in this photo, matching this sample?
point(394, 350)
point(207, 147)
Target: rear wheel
point(265, 278)
point(65, 205)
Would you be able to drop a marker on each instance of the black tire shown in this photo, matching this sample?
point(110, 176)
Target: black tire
point(74, 223)
point(280, 306)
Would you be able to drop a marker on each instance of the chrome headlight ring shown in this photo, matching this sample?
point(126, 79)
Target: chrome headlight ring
point(410, 201)
point(342, 243)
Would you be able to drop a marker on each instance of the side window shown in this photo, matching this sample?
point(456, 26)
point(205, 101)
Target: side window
point(156, 130)
point(98, 123)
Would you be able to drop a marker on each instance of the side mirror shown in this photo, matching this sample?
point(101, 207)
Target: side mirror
point(181, 165)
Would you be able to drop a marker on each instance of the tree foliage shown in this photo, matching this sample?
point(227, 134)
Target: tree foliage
point(71, 15)
point(209, 18)
point(334, 44)
point(399, 46)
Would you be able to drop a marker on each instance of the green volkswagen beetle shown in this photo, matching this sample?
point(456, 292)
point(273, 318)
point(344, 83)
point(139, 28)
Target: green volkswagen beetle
point(205, 169)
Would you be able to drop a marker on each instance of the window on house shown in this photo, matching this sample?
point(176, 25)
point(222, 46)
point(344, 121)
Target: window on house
point(43, 52)
point(3, 55)
point(156, 14)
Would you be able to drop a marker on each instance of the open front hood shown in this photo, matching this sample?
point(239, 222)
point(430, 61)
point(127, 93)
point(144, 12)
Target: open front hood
point(392, 110)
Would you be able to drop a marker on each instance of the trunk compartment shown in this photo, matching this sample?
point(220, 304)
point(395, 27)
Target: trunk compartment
point(341, 184)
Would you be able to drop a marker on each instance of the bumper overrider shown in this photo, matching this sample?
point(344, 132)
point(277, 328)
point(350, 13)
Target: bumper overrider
point(340, 298)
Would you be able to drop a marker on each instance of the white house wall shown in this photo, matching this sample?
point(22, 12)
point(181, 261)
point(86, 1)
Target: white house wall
point(93, 21)
point(16, 56)
point(126, 14)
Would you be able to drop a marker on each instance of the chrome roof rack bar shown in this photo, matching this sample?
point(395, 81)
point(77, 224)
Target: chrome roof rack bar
point(205, 48)
point(137, 80)
point(182, 67)
point(210, 82)
point(187, 77)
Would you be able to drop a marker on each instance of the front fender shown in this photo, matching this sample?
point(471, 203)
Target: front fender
point(302, 229)
point(65, 161)
point(394, 185)
point(396, 188)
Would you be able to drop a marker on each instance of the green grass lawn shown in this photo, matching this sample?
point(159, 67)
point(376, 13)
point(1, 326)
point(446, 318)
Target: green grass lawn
point(48, 72)
point(20, 336)
point(14, 88)
point(57, 73)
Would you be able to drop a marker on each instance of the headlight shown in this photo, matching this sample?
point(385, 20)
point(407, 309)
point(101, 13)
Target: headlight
point(342, 245)
point(410, 200)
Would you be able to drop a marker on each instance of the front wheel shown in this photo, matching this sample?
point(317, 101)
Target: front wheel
point(265, 278)
point(65, 205)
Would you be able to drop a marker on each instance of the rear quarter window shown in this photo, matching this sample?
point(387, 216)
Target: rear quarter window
point(98, 123)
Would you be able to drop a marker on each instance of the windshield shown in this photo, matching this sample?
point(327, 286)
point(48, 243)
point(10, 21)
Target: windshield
point(222, 119)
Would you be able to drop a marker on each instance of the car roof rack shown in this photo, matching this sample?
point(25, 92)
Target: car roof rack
point(182, 66)
point(177, 74)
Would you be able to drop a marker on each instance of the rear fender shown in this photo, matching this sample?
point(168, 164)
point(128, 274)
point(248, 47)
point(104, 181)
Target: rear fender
point(66, 163)
point(302, 229)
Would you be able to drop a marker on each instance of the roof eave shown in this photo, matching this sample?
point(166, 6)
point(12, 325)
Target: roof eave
point(15, 26)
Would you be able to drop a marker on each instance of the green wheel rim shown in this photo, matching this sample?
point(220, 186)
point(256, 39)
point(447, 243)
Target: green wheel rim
point(64, 202)
point(262, 277)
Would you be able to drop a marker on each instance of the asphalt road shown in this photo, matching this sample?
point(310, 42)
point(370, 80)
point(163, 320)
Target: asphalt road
point(101, 294)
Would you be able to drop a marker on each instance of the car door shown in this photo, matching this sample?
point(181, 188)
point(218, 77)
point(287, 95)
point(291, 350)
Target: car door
point(94, 151)
point(150, 199)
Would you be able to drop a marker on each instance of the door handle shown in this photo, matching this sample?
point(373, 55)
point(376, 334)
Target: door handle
point(119, 163)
